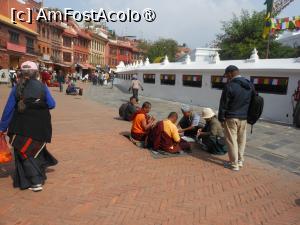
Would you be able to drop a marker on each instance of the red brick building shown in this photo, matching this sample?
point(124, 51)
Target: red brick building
point(122, 50)
point(18, 42)
point(67, 48)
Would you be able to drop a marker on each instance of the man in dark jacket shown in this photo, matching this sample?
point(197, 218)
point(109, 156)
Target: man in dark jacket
point(61, 80)
point(233, 112)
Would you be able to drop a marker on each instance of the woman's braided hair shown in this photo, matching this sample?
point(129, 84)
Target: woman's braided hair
point(24, 76)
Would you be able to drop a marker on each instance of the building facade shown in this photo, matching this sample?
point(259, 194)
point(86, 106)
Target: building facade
point(18, 42)
point(97, 49)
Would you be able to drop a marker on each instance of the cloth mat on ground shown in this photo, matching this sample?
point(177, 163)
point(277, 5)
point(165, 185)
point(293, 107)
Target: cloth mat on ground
point(127, 135)
point(162, 154)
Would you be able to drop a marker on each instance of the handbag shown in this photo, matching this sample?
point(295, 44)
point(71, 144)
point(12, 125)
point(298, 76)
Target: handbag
point(5, 154)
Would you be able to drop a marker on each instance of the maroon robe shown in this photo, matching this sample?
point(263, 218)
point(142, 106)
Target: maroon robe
point(160, 140)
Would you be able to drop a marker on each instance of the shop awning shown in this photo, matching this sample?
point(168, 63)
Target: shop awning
point(45, 61)
point(62, 65)
point(89, 66)
point(85, 66)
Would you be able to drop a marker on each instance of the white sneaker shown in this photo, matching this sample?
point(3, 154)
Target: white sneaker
point(36, 188)
point(240, 163)
point(229, 165)
point(235, 168)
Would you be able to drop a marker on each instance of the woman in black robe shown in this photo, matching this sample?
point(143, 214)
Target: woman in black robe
point(27, 120)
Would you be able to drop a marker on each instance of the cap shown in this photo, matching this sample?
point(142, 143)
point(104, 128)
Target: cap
point(230, 69)
point(29, 65)
point(186, 108)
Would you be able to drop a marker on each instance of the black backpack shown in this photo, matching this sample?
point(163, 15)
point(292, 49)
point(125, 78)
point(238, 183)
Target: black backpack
point(122, 110)
point(255, 109)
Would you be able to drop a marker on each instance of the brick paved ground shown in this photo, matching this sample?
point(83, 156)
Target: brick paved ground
point(103, 179)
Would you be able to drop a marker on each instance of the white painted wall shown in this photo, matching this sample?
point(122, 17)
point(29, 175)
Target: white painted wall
point(277, 107)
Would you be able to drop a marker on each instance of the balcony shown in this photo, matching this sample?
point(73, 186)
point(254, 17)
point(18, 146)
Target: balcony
point(16, 47)
point(56, 59)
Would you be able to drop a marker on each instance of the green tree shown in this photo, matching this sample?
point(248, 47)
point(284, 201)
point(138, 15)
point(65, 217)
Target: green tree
point(144, 45)
point(163, 47)
point(242, 34)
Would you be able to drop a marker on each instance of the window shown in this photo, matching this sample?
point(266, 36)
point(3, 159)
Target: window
point(14, 37)
point(113, 51)
point(67, 56)
point(123, 52)
point(192, 80)
point(67, 42)
point(218, 82)
point(149, 78)
point(167, 79)
point(29, 45)
point(271, 85)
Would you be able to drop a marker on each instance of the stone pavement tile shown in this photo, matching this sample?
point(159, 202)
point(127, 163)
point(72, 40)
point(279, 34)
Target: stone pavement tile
point(103, 179)
point(272, 157)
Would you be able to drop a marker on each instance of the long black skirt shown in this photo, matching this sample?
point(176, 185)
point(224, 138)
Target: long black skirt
point(32, 170)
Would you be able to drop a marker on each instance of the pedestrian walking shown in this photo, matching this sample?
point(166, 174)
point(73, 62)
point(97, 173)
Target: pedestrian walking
point(112, 78)
point(233, 113)
point(60, 80)
point(13, 77)
point(135, 86)
point(27, 120)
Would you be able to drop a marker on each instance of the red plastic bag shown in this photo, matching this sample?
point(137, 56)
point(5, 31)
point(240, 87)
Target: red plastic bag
point(5, 154)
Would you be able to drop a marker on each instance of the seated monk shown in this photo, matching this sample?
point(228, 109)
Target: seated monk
point(142, 123)
point(165, 136)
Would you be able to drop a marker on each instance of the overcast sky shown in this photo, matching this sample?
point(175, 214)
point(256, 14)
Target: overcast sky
point(195, 22)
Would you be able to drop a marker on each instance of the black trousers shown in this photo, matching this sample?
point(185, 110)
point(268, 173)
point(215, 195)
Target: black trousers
point(135, 93)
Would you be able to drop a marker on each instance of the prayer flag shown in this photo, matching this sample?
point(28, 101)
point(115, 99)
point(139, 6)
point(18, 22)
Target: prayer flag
point(275, 82)
point(266, 81)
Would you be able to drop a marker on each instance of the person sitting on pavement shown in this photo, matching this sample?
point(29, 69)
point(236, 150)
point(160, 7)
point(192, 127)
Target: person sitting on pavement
point(127, 110)
point(189, 123)
point(142, 123)
point(131, 108)
point(72, 89)
point(212, 134)
point(165, 136)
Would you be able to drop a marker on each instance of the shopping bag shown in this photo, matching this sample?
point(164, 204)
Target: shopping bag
point(5, 154)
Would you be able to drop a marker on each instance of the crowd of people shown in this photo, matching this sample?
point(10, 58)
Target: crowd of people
point(26, 120)
point(220, 133)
